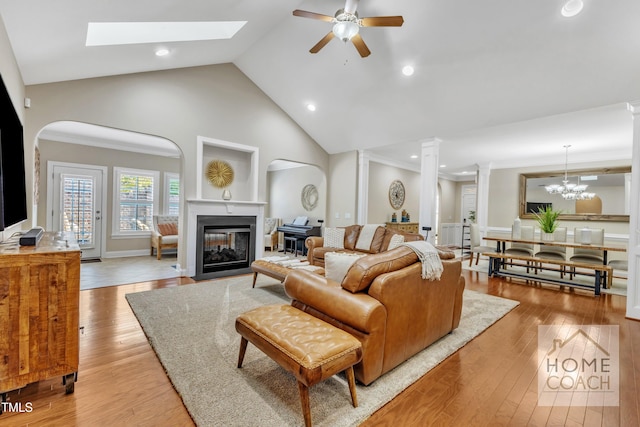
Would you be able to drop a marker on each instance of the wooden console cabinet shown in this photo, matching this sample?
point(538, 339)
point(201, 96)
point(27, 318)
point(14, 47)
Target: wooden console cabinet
point(39, 302)
point(407, 227)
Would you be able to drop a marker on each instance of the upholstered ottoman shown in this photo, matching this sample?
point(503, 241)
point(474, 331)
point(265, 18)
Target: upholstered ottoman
point(311, 349)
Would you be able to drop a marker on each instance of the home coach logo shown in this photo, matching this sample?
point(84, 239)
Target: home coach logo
point(578, 365)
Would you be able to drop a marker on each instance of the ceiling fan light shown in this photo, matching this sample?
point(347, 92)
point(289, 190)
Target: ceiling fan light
point(572, 8)
point(345, 30)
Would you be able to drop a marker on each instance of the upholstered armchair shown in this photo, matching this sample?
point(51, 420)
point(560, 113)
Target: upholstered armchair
point(164, 234)
point(271, 233)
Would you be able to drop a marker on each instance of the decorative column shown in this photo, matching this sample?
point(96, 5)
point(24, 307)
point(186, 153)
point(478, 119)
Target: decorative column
point(482, 195)
point(429, 166)
point(633, 287)
point(363, 186)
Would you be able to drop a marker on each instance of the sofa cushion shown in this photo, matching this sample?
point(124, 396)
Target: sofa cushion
point(351, 234)
point(334, 238)
point(362, 273)
point(336, 264)
point(378, 238)
point(168, 229)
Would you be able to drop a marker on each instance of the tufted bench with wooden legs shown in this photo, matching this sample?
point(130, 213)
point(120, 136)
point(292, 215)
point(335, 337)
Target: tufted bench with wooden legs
point(309, 348)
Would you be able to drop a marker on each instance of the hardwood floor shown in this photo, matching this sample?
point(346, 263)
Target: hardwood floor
point(491, 381)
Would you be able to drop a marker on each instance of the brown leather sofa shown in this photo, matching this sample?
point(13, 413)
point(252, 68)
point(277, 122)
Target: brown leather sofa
point(384, 302)
point(380, 243)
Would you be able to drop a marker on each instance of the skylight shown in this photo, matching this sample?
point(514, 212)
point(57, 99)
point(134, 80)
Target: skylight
point(118, 33)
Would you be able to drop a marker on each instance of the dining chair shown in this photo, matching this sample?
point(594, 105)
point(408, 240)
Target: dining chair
point(476, 243)
point(588, 255)
point(554, 252)
point(522, 249)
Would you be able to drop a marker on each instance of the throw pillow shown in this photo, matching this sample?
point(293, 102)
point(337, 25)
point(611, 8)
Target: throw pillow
point(269, 225)
point(168, 229)
point(366, 236)
point(334, 238)
point(336, 264)
point(396, 240)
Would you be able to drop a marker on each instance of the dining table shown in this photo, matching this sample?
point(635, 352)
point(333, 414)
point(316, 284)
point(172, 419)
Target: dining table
point(501, 242)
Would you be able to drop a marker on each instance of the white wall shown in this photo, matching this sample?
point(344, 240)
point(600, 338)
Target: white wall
point(343, 189)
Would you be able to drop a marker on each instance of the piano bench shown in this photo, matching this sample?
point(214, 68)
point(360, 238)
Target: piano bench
point(294, 241)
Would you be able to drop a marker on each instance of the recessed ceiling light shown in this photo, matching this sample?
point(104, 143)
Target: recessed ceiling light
point(311, 107)
point(407, 70)
point(162, 52)
point(117, 33)
point(572, 8)
point(443, 166)
point(414, 156)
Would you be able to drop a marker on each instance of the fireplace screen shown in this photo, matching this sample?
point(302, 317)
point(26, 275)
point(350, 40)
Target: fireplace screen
point(225, 248)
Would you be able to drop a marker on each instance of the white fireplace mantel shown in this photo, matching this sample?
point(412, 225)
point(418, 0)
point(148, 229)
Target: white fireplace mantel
point(197, 207)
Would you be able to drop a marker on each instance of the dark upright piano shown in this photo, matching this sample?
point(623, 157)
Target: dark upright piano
point(296, 233)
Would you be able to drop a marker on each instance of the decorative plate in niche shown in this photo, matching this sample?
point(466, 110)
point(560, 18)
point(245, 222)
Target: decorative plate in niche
point(396, 194)
point(309, 197)
point(219, 173)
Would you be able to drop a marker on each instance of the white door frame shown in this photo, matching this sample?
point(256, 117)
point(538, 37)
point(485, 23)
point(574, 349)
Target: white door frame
point(51, 164)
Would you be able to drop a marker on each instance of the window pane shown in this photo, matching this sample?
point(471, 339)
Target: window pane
point(136, 202)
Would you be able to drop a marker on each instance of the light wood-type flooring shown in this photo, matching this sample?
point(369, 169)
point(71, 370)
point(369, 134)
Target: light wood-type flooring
point(489, 382)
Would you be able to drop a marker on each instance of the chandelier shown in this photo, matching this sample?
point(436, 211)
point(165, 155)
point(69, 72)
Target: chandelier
point(569, 190)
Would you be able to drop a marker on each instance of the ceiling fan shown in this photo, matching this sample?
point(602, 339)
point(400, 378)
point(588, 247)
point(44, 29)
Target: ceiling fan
point(346, 26)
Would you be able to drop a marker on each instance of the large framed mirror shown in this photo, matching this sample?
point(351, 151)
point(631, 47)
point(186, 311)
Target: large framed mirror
point(611, 186)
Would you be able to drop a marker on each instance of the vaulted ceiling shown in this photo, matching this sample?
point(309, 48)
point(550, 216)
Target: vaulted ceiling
point(502, 81)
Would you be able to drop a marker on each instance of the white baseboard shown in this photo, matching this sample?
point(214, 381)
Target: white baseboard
point(126, 254)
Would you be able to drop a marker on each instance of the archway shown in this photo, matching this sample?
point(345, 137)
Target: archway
point(75, 149)
point(296, 189)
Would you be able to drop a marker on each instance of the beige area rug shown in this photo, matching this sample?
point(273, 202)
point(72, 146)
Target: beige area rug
point(192, 330)
point(619, 285)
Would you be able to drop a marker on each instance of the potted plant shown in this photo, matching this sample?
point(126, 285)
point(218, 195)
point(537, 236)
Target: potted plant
point(548, 220)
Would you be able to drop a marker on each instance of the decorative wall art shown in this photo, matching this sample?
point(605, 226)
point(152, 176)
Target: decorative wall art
point(396, 194)
point(309, 197)
point(220, 175)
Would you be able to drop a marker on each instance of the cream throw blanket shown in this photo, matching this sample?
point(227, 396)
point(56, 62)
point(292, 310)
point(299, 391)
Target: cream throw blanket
point(431, 264)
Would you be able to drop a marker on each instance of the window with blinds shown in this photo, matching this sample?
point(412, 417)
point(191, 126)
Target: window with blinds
point(136, 193)
point(172, 194)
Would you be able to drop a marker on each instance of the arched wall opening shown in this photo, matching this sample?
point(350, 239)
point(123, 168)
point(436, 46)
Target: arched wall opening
point(78, 146)
point(296, 189)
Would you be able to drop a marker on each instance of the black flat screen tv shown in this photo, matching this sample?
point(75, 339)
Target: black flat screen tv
point(13, 192)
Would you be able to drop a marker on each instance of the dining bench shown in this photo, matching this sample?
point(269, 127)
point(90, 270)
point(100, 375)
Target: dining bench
point(498, 260)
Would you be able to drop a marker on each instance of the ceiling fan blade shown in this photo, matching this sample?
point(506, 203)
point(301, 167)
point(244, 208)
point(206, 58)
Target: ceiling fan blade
point(322, 43)
point(360, 45)
point(312, 15)
point(382, 21)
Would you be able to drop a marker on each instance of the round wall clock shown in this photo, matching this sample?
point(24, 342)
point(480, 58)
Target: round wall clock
point(219, 173)
point(396, 194)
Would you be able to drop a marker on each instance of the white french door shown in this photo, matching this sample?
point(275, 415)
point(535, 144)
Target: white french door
point(75, 200)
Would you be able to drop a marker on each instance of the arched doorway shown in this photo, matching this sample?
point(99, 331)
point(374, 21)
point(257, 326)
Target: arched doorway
point(78, 189)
